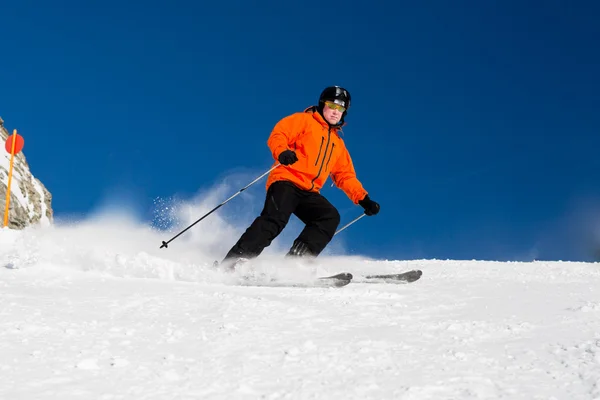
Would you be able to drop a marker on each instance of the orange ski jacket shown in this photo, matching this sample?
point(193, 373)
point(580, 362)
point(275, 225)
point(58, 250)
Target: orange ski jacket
point(320, 150)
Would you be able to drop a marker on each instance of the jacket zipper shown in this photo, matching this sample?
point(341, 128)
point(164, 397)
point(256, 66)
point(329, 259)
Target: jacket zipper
point(330, 154)
point(312, 183)
point(320, 148)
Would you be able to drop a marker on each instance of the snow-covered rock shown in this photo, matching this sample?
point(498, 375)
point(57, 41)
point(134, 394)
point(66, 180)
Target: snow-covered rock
point(30, 201)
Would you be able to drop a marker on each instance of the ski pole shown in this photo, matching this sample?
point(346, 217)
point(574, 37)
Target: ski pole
point(348, 224)
point(165, 244)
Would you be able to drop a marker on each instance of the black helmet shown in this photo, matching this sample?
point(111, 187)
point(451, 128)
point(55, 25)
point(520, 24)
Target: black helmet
point(336, 94)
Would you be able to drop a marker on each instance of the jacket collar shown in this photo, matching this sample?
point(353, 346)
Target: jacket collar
point(319, 118)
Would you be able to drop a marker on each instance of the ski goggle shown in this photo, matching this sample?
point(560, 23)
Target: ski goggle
point(334, 106)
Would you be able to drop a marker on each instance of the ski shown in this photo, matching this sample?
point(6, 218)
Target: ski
point(334, 281)
point(337, 280)
point(404, 277)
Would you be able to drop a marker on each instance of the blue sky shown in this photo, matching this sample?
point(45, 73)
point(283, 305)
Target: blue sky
point(474, 124)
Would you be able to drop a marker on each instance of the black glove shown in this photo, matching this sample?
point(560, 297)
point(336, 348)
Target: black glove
point(371, 208)
point(287, 157)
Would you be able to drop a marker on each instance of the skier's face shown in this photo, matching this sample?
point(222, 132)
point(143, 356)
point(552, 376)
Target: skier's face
point(332, 115)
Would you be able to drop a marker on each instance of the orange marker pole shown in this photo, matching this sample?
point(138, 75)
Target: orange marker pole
point(12, 159)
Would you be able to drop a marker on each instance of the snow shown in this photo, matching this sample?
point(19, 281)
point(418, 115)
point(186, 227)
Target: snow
point(96, 310)
point(38, 187)
point(16, 178)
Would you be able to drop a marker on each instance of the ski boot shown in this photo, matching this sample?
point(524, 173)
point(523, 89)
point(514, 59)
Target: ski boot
point(230, 265)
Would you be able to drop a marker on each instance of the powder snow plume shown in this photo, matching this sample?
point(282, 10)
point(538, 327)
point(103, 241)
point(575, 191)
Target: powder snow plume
point(114, 240)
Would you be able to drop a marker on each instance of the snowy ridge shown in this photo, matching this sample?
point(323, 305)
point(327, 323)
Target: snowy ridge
point(98, 302)
point(33, 200)
point(45, 221)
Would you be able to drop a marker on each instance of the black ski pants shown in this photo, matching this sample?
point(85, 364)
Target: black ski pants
point(284, 199)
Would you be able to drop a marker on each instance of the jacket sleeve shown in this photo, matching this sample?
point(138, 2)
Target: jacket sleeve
point(344, 177)
point(284, 133)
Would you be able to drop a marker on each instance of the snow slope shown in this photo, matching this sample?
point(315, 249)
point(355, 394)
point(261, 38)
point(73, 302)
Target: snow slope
point(96, 310)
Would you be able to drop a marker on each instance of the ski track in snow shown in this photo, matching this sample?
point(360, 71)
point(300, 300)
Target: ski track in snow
point(102, 325)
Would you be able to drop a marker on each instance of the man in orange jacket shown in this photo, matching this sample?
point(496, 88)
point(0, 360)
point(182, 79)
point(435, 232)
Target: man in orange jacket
point(308, 147)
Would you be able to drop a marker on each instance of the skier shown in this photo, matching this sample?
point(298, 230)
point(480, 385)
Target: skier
point(308, 147)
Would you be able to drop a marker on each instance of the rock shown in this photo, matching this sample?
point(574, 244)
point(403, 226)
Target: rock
point(30, 201)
